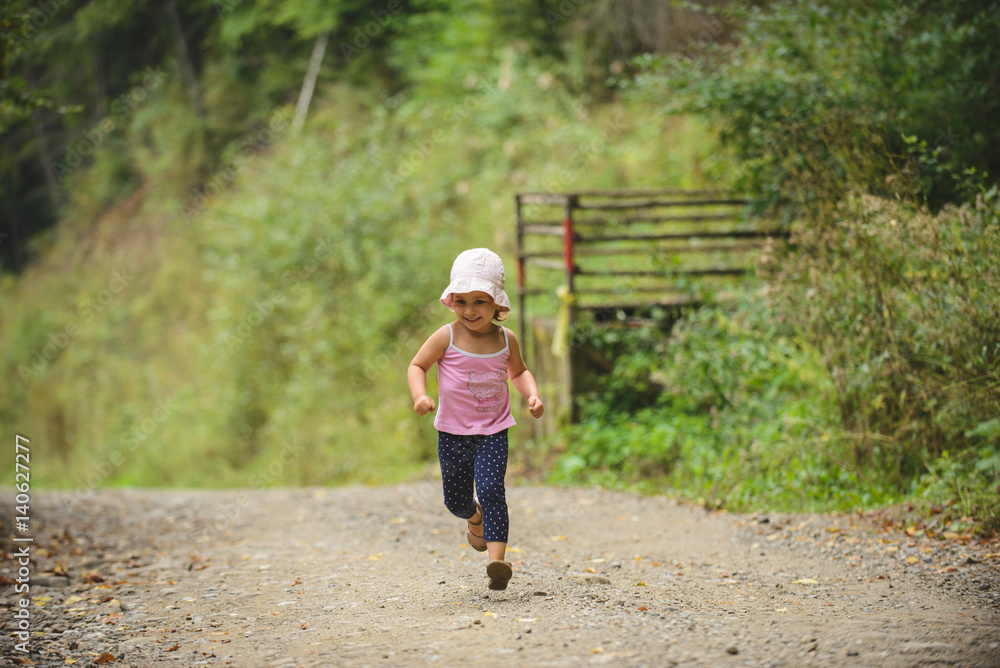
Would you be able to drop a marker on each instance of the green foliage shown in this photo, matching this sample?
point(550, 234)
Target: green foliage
point(906, 307)
point(815, 98)
point(744, 415)
point(266, 324)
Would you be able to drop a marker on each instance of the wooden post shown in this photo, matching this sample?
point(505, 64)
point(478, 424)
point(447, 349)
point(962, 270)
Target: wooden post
point(522, 312)
point(570, 268)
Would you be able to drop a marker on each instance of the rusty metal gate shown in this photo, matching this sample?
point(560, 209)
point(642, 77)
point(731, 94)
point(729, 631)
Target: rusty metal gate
point(631, 256)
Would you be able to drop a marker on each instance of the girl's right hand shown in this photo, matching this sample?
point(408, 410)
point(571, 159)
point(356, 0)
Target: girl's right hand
point(423, 405)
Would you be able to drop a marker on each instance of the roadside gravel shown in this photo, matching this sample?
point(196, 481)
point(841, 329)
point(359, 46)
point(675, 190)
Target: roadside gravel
point(382, 577)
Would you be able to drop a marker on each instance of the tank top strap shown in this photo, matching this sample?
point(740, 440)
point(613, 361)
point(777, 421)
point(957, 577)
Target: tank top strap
point(451, 336)
point(506, 343)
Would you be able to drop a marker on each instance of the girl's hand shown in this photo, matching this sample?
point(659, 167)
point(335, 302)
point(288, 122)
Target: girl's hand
point(423, 405)
point(535, 406)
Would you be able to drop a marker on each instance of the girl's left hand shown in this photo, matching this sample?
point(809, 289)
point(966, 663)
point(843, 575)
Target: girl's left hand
point(535, 406)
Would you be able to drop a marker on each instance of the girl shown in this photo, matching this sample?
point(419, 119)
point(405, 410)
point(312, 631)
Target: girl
point(475, 357)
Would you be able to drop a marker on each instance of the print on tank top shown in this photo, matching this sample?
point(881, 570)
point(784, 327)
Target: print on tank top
point(488, 389)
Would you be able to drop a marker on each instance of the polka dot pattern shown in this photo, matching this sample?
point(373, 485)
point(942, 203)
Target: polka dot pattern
point(479, 459)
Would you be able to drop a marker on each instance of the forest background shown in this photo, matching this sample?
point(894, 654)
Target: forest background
point(204, 285)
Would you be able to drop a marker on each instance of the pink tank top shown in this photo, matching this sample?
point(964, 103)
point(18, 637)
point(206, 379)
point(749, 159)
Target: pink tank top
point(472, 388)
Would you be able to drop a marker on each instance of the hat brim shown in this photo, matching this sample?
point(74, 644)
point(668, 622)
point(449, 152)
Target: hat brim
point(467, 285)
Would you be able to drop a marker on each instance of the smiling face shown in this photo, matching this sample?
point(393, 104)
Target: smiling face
point(475, 310)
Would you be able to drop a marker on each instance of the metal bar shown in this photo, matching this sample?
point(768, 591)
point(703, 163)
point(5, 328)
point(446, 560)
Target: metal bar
point(542, 263)
point(624, 193)
point(669, 303)
point(736, 234)
point(646, 193)
point(650, 204)
point(543, 198)
point(616, 291)
point(719, 271)
point(595, 252)
point(522, 312)
point(568, 238)
point(631, 220)
point(544, 230)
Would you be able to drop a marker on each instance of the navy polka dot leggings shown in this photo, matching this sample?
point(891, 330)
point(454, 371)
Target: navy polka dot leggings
point(482, 459)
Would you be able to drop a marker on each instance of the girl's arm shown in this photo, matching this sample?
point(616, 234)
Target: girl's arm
point(416, 375)
point(523, 381)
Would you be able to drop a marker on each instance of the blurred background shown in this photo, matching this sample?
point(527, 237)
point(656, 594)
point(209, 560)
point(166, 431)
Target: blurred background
point(225, 226)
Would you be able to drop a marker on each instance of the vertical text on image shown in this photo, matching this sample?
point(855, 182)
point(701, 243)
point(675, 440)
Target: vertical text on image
point(22, 555)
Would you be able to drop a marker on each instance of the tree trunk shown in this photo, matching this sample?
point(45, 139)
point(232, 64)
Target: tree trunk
point(100, 78)
point(45, 157)
point(184, 59)
point(309, 83)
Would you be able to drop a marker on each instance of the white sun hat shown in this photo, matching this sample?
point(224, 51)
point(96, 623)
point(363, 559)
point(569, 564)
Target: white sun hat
point(478, 269)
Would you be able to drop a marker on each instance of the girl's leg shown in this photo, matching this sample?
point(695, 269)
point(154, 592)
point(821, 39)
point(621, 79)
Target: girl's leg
point(490, 469)
point(457, 457)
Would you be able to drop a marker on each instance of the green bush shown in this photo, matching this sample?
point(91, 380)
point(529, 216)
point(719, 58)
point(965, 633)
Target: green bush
point(905, 306)
point(744, 415)
point(816, 99)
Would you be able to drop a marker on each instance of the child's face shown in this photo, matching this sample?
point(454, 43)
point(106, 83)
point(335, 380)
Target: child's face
point(475, 310)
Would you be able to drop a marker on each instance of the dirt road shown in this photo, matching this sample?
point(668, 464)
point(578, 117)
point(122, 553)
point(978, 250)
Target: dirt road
point(382, 577)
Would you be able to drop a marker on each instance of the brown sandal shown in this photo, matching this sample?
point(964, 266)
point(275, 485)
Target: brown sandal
point(499, 573)
point(477, 542)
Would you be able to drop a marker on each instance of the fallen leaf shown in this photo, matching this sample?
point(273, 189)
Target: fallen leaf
point(515, 550)
point(806, 581)
point(398, 520)
point(912, 560)
point(305, 625)
point(70, 661)
point(912, 531)
point(590, 570)
point(73, 599)
point(558, 538)
point(40, 601)
point(643, 608)
point(947, 569)
point(597, 650)
point(601, 561)
point(781, 610)
point(172, 649)
point(489, 614)
point(773, 536)
point(640, 584)
point(107, 657)
point(526, 619)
